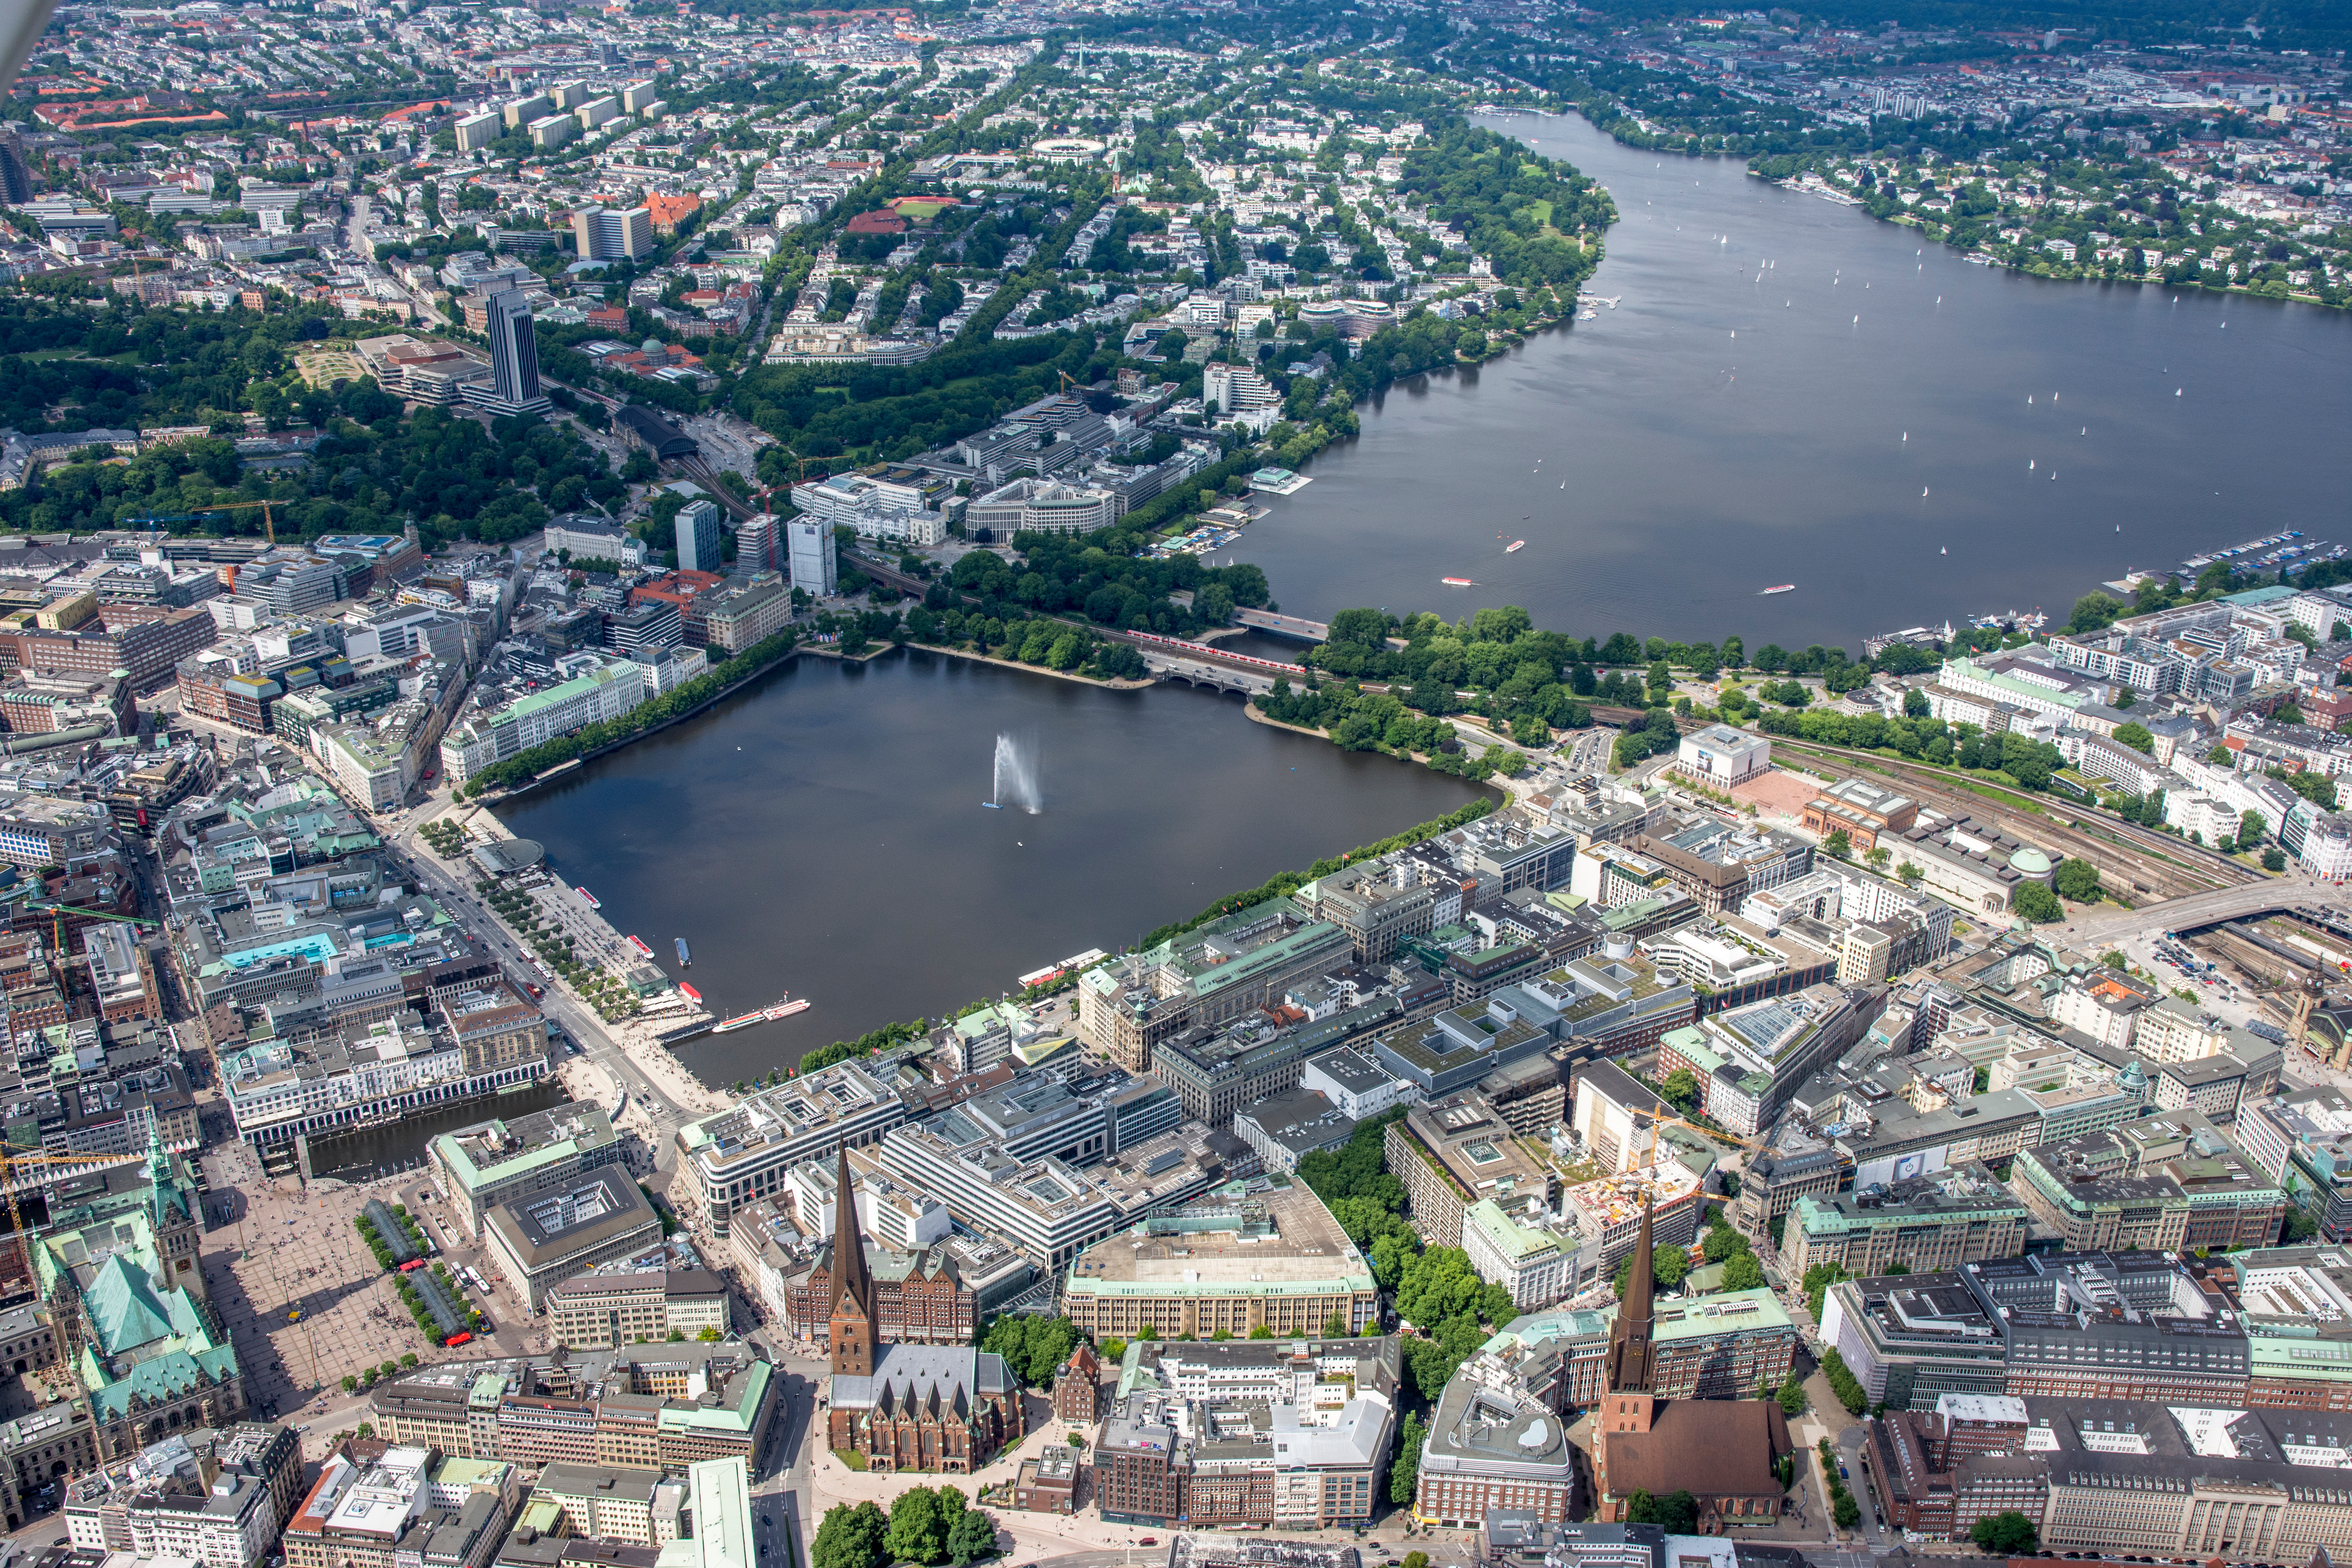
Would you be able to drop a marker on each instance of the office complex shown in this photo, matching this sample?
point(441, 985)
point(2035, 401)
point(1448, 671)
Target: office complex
point(607, 234)
point(698, 537)
point(1283, 1433)
point(809, 556)
point(498, 1161)
point(514, 360)
point(667, 1405)
point(1925, 1224)
point(1231, 1262)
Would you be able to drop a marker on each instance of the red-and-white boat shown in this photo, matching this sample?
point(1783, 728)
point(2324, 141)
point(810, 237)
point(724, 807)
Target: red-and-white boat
point(783, 1009)
point(691, 991)
point(1457, 581)
point(638, 943)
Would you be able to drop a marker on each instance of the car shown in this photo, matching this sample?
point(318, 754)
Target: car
point(1149, 1540)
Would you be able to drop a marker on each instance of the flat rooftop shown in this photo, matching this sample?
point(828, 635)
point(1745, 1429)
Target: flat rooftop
point(1282, 1237)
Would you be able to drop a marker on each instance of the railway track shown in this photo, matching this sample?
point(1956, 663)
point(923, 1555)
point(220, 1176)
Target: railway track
point(2147, 864)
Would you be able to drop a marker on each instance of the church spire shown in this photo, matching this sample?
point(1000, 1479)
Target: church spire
point(162, 1192)
point(851, 1329)
point(1632, 1361)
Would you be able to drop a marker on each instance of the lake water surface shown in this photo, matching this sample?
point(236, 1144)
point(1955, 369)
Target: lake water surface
point(1789, 391)
point(823, 834)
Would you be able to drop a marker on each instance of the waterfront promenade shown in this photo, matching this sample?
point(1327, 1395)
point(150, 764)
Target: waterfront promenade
point(651, 1077)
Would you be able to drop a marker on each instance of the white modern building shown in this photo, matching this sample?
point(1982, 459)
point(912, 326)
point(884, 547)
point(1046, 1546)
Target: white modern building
point(1720, 757)
point(1044, 506)
point(595, 688)
point(877, 509)
point(1532, 1264)
point(809, 555)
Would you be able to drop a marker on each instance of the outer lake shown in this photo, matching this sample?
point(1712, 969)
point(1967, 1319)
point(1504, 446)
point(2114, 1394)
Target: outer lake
point(1727, 427)
point(823, 834)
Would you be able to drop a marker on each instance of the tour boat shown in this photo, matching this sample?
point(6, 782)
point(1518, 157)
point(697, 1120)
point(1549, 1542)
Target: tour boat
point(1782, 588)
point(684, 957)
point(781, 1008)
point(1514, 546)
point(991, 805)
point(1457, 581)
point(639, 944)
point(692, 992)
point(588, 897)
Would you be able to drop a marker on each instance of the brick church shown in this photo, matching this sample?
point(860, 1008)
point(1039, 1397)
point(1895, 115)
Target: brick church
point(907, 1406)
point(1724, 1452)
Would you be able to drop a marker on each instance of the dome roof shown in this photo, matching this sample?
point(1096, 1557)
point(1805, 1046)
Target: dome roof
point(2030, 862)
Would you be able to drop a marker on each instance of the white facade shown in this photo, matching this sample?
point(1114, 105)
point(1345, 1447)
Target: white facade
point(272, 1087)
point(1354, 1082)
point(808, 544)
point(1532, 1264)
point(596, 543)
point(1720, 757)
point(601, 689)
point(875, 508)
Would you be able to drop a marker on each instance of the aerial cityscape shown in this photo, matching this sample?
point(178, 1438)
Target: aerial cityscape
point(1088, 784)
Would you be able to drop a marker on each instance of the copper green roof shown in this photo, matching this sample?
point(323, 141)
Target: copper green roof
point(124, 1311)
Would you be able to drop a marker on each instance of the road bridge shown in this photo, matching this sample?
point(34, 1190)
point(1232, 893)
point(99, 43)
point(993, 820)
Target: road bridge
point(1297, 628)
point(2324, 904)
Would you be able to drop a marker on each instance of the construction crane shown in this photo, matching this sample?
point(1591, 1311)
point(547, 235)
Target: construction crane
point(94, 914)
point(59, 912)
point(269, 521)
point(1715, 1133)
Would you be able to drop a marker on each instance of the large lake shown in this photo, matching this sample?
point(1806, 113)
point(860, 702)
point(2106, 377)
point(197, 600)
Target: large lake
point(1780, 382)
point(823, 834)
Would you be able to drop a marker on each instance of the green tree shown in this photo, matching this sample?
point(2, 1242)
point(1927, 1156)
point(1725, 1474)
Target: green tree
point(1744, 1272)
point(2078, 880)
point(971, 1534)
point(2251, 828)
point(1792, 1396)
point(1678, 1513)
point(1816, 1282)
point(1640, 1508)
point(917, 1533)
point(2135, 735)
point(1406, 1470)
point(1844, 1510)
point(2273, 859)
point(1033, 1348)
point(2005, 1534)
point(1839, 843)
point(2094, 611)
point(850, 1537)
point(1335, 1327)
point(1681, 1090)
point(2037, 903)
